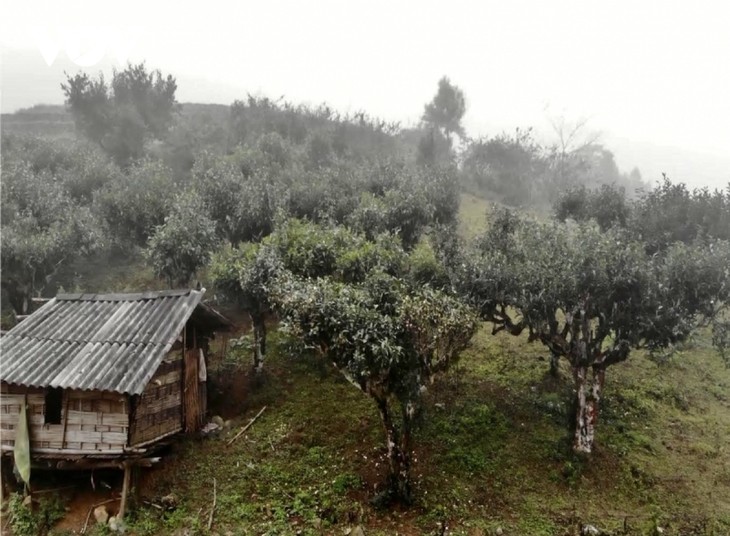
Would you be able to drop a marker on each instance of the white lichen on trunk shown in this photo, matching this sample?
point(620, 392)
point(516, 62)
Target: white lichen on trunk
point(588, 396)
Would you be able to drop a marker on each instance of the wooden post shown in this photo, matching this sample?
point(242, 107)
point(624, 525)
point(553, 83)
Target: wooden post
point(3, 481)
point(125, 490)
point(65, 421)
point(136, 480)
point(182, 378)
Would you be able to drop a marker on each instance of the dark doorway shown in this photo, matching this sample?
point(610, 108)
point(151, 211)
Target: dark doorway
point(52, 410)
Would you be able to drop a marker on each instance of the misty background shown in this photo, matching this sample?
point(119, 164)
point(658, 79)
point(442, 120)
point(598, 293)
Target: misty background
point(650, 77)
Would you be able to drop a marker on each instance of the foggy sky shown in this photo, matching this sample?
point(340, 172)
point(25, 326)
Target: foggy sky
point(654, 77)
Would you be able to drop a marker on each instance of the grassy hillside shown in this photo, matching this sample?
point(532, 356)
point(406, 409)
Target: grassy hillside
point(492, 450)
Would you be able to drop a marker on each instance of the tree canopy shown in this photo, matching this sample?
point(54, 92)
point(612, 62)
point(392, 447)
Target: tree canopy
point(446, 109)
point(387, 339)
point(672, 212)
point(344, 229)
point(668, 213)
point(121, 116)
point(184, 242)
point(511, 167)
point(591, 296)
point(606, 205)
point(247, 272)
point(132, 207)
point(353, 300)
point(42, 229)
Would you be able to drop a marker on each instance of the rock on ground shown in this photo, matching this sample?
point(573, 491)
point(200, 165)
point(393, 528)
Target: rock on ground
point(101, 515)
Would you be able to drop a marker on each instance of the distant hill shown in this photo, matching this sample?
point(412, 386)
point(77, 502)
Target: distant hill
point(55, 120)
point(694, 168)
point(43, 119)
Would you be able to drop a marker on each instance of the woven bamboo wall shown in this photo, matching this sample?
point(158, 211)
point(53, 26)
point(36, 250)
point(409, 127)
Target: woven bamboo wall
point(158, 410)
point(94, 421)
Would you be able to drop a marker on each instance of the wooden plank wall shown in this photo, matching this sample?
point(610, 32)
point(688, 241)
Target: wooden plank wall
point(158, 410)
point(95, 421)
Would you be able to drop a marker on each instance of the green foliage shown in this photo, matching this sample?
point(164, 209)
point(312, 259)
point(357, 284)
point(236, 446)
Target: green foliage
point(363, 257)
point(253, 217)
point(238, 195)
point(664, 215)
point(184, 242)
point(91, 172)
point(405, 202)
point(341, 279)
point(608, 206)
point(311, 250)
point(219, 184)
point(446, 109)
point(143, 522)
point(671, 212)
point(245, 191)
point(345, 482)
point(41, 153)
point(319, 152)
point(42, 230)
point(324, 195)
point(133, 206)
point(247, 273)
point(321, 134)
point(79, 166)
point(225, 268)
point(90, 100)
point(407, 213)
point(134, 107)
point(555, 274)
point(590, 295)
point(513, 168)
point(32, 520)
point(721, 339)
point(434, 149)
point(426, 269)
point(386, 338)
point(518, 171)
point(274, 150)
point(24, 522)
point(315, 250)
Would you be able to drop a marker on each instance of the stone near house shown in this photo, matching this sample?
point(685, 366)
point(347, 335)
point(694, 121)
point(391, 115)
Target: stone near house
point(101, 515)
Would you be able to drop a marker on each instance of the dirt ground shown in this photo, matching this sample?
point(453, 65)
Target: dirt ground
point(78, 491)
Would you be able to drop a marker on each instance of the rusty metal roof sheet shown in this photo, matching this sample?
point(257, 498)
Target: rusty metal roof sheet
point(107, 342)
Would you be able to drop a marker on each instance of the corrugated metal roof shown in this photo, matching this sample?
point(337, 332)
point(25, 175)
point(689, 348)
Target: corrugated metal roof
point(107, 342)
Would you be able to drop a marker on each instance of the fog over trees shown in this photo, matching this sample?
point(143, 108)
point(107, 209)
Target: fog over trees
point(342, 232)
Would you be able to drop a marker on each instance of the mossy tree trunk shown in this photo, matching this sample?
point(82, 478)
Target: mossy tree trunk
point(589, 389)
point(19, 296)
point(399, 451)
point(554, 365)
point(259, 340)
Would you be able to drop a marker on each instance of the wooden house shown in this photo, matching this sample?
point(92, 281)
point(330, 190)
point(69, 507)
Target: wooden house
point(106, 377)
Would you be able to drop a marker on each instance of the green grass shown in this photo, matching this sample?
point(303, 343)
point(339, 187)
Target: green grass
point(472, 214)
point(494, 453)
